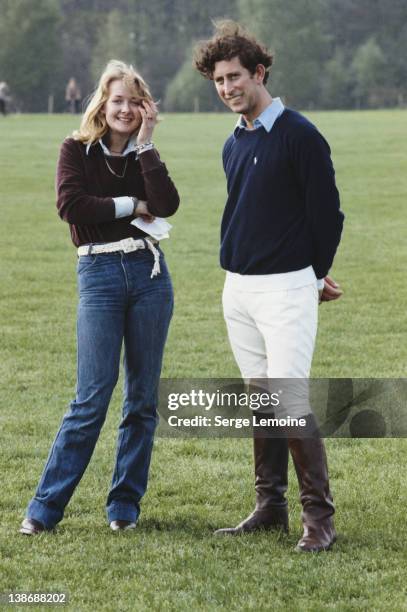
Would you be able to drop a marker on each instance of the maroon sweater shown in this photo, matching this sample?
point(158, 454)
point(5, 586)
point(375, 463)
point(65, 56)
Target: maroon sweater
point(86, 188)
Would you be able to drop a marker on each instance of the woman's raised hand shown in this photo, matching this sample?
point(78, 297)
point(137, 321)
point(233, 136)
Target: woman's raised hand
point(149, 113)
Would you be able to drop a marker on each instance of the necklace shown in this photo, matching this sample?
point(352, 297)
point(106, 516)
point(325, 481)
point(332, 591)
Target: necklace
point(115, 173)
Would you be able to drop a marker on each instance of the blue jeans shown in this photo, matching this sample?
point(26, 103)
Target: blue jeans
point(117, 300)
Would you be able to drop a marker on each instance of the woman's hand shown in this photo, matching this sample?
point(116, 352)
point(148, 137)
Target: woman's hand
point(141, 210)
point(148, 112)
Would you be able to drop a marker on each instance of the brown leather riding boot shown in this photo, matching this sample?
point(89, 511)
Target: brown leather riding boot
point(310, 463)
point(271, 467)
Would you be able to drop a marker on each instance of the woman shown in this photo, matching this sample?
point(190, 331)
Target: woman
point(108, 174)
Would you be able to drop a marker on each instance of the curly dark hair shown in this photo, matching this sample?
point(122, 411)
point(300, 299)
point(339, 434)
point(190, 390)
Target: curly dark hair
point(231, 40)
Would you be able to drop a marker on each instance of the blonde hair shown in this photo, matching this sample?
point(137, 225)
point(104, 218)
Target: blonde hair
point(93, 125)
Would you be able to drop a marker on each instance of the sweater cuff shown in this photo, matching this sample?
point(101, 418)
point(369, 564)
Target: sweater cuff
point(149, 160)
point(320, 283)
point(124, 207)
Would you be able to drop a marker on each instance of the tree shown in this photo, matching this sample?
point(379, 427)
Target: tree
point(295, 31)
point(336, 82)
point(322, 58)
point(368, 67)
point(189, 91)
point(115, 41)
point(350, 22)
point(30, 43)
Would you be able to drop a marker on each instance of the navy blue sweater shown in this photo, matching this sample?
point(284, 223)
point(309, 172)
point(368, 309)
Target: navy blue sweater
point(282, 213)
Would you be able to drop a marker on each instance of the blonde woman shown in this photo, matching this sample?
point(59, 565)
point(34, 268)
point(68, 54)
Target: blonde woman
point(108, 174)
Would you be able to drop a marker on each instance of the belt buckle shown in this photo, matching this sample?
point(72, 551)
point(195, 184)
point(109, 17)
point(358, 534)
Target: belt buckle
point(127, 245)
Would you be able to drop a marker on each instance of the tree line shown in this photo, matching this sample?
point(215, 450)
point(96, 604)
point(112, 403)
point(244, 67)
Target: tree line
point(328, 53)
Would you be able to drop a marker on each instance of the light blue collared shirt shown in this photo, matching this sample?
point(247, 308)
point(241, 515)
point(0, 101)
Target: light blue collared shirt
point(124, 205)
point(266, 119)
point(131, 148)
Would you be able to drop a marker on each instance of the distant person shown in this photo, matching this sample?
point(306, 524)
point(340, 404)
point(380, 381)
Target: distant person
point(109, 174)
point(4, 97)
point(280, 230)
point(73, 96)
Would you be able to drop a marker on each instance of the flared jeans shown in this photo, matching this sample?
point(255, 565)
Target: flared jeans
point(117, 301)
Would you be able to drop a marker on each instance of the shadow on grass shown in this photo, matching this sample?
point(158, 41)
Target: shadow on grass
point(201, 530)
point(183, 526)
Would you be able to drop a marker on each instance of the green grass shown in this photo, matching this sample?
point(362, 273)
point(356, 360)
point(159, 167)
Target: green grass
point(171, 562)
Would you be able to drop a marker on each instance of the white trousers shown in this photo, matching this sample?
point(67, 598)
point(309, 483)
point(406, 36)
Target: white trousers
point(272, 332)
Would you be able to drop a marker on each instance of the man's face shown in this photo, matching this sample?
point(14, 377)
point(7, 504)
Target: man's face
point(237, 87)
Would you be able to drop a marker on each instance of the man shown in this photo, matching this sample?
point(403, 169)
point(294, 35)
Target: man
point(4, 97)
point(280, 230)
point(73, 96)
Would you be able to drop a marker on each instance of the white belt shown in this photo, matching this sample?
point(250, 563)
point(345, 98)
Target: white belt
point(127, 245)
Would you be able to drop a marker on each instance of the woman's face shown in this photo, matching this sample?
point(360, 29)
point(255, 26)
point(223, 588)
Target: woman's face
point(122, 109)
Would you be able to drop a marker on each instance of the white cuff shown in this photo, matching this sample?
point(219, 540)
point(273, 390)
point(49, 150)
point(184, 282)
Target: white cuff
point(124, 206)
point(147, 146)
point(320, 283)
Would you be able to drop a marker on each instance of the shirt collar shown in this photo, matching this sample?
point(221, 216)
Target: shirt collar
point(131, 147)
point(266, 119)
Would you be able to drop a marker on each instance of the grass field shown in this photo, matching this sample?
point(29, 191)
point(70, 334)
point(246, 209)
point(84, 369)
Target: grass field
point(171, 562)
